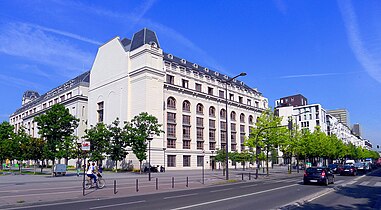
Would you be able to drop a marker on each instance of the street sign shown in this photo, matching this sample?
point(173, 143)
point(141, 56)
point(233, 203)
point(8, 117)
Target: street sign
point(86, 146)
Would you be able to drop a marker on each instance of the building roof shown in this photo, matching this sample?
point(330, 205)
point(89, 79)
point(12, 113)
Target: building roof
point(205, 71)
point(30, 94)
point(83, 78)
point(142, 37)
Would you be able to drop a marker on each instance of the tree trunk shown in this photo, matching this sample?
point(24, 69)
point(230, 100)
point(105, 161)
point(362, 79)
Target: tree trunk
point(20, 168)
point(116, 166)
point(34, 167)
point(53, 163)
point(267, 161)
point(140, 167)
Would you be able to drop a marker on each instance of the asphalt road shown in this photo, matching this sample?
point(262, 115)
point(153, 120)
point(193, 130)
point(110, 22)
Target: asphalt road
point(364, 193)
point(265, 194)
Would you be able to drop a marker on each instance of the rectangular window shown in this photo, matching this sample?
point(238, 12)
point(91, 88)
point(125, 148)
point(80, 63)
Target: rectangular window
point(233, 127)
point(200, 145)
point(186, 120)
point(68, 95)
point(212, 124)
point(242, 129)
point(242, 138)
point(223, 136)
point(186, 144)
point(221, 94)
point(249, 102)
point(256, 104)
point(170, 79)
point(186, 160)
point(171, 160)
point(198, 87)
point(212, 145)
point(200, 161)
point(171, 130)
point(185, 83)
point(200, 133)
point(171, 143)
point(223, 126)
point(210, 91)
point(56, 101)
point(100, 111)
point(212, 135)
point(240, 99)
point(186, 132)
point(231, 96)
point(62, 98)
point(44, 106)
point(234, 147)
point(233, 138)
point(200, 122)
point(171, 117)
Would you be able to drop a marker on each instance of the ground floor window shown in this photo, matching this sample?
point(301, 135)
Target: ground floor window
point(186, 144)
point(200, 160)
point(200, 145)
point(212, 145)
point(171, 160)
point(186, 160)
point(171, 143)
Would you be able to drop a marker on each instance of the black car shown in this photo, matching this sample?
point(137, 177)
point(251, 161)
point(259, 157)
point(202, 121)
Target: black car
point(335, 167)
point(349, 170)
point(319, 175)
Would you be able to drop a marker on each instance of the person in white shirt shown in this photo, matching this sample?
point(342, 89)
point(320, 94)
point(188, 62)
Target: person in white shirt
point(91, 173)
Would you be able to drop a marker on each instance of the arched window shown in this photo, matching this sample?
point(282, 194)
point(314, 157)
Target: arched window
point(186, 106)
point(212, 111)
point(232, 115)
point(223, 113)
point(251, 120)
point(200, 109)
point(242, 118)
point(171, 103)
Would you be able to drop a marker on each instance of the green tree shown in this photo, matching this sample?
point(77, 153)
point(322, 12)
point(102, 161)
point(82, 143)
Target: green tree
point(268, 134)
point(138, 130)
point(55, 126)
point(19, 147)
point(6, 137)
point(118, 143)
point(221, 157)
point(99, 138)
point(35, 148)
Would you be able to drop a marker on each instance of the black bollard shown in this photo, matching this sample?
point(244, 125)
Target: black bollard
point(115, 187)
point(249, 176)
point(242, 176)
point(187, 183)
point(157, 183)
point(173, 182)
point(137, 185)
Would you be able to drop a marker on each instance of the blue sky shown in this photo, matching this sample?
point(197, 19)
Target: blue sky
point(329, 51)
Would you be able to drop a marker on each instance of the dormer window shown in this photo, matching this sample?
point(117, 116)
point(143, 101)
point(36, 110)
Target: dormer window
point(206, 69)
point(170, 56)
point(183, 61)
point(195, 65)
point(153, 44)
point(234, 80)
point(216, 73)
point(226, 77)
point(242, 84)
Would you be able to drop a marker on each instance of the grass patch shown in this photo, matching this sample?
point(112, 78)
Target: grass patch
point(225, 182)
point(5, 172)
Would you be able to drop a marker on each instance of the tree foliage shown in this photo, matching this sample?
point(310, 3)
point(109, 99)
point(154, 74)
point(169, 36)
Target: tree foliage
point(99, 138)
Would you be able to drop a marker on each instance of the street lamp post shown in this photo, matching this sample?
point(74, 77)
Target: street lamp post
point(226, 115)
point(149, 138)
point(164, 159)
point(212, 162)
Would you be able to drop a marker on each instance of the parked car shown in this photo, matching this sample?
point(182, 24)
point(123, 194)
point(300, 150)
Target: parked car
point(319, 175)
point(348, 170)
point(59, 169)
point(349, 162)
point(335, 167)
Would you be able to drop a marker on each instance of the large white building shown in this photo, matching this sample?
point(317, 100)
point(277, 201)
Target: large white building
point(133, 76)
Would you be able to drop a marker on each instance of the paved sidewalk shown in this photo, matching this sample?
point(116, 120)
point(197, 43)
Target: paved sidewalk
point(30, 189)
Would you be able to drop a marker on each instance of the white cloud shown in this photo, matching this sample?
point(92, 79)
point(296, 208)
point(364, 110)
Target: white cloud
point(17, 82)
point(316, 75)
point(18, 39)
point(368, 57)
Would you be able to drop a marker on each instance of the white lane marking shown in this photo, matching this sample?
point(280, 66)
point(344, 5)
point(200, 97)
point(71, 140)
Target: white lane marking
point(351, 182)
point(338, 182)
point(235, 197)
point(221, 190)
point(378, 184)
point(179, 196)
point(364, 183)
point(247, 186)
point(319, 196)
point(118, 204)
